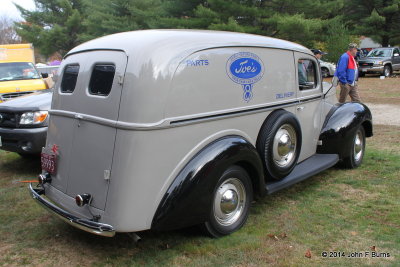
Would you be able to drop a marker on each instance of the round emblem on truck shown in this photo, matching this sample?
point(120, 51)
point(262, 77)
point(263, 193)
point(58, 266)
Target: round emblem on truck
point(245, 68)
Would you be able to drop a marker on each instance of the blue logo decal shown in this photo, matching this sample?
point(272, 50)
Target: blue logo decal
point(246, 69)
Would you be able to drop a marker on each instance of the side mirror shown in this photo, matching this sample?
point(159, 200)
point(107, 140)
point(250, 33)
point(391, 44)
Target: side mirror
point(45, 75)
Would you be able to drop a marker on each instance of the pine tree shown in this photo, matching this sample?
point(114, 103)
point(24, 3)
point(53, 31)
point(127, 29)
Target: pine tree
point(107, 17)
point(54, 26)
point(379, 19)
point(298, 21)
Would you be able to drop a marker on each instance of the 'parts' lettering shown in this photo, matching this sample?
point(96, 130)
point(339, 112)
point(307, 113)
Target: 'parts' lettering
point(196, 63)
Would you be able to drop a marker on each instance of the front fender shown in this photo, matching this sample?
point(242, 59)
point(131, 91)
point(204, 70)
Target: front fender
point(340, 126)
point(189, 198)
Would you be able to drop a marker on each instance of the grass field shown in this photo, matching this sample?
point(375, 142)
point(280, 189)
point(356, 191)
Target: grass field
point(350, 211)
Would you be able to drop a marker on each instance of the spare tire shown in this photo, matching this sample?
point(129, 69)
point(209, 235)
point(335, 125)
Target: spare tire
point(279, 143)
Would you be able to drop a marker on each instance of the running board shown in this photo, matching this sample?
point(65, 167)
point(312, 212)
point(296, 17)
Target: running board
point(305, 169)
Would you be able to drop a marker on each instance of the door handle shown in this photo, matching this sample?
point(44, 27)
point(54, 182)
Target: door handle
point(79, 118)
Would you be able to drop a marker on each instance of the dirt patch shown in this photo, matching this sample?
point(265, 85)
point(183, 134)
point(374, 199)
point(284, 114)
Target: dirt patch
point(372, 89)
point(386, 114)
point(349, 192)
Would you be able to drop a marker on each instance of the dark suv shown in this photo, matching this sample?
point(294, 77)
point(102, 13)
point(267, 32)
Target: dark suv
point(24, 121)
point(382, 60)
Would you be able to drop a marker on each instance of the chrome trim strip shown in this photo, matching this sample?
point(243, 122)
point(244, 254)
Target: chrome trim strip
point(183, 120)
point(309, 99)
point(83, 224)
point(220, 116)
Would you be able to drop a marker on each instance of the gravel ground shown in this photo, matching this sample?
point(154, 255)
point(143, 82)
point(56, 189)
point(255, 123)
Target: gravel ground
point(386, 114)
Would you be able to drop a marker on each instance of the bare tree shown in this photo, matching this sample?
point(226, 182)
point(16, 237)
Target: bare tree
point(7, 32)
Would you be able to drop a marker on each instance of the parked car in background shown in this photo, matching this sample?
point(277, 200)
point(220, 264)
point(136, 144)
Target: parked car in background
point(327, 69)
point(18, 75)
point(23, 123)
point(382, 60)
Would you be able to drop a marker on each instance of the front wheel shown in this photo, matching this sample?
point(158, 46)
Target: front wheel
point(357, 150)
point(231, 202)
point(387, 71)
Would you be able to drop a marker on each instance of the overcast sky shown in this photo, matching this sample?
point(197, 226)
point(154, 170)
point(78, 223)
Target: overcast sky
point(8, 9)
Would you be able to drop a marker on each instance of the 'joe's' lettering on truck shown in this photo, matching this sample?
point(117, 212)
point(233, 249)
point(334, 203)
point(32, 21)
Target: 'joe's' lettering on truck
point(245, 68)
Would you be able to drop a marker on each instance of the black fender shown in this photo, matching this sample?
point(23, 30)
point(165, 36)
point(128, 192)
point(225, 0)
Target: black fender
point(188, 199)
point(340, 126)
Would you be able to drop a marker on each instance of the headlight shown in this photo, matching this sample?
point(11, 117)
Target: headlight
point(378, 62)
point(36, 117)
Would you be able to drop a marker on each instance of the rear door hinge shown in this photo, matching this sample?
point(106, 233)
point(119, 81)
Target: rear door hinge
point(107, 175)
point(120, 79)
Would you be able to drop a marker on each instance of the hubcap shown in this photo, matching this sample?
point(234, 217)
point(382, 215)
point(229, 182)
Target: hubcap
point(284, 147)
point(358, 146)
point(229, 201)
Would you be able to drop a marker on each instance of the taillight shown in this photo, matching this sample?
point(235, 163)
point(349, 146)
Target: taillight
point(83, 199)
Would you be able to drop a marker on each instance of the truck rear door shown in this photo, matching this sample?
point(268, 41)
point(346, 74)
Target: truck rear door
point(82, 126)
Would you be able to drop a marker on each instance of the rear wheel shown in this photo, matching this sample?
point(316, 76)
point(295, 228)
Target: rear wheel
point(231, 202)
point(357, 150)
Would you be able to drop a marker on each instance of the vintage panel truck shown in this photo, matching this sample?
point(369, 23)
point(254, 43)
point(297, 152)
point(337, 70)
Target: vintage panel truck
point(163, 129)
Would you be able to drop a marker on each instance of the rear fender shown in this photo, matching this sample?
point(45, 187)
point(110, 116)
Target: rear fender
point(189, 198)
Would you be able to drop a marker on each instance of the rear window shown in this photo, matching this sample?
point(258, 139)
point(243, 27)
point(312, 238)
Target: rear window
point(70, 76)
point(102, 79)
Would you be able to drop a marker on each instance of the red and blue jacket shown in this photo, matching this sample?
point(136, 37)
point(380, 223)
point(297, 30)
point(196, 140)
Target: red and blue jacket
point(346, 69)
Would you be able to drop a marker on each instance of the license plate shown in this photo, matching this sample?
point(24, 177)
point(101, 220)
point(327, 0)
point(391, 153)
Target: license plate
point(49, 163)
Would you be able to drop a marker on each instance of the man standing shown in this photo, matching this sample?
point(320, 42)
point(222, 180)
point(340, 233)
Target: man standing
point(347, 74)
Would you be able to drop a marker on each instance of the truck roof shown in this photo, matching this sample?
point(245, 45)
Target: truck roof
point(181, 43)
point(17, 53)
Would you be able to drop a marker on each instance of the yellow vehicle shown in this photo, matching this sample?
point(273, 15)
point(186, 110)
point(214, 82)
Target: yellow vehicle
point(18, 75)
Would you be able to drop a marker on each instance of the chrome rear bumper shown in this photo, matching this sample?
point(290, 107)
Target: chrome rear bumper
point(83, 224)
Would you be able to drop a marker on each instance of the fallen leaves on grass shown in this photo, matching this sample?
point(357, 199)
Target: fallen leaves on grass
point(283, 235)
point(272, 236)
point(277, 237)
point(308, 253)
